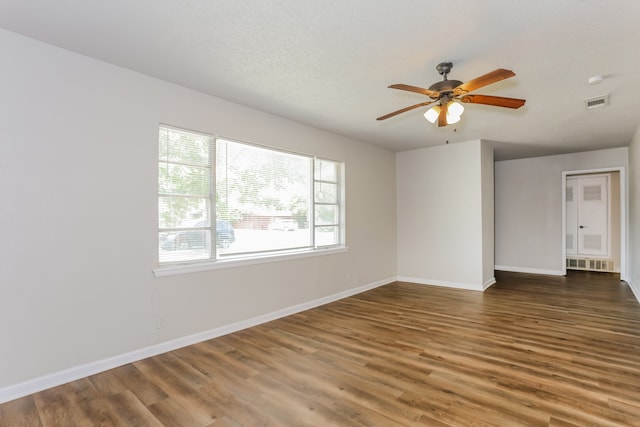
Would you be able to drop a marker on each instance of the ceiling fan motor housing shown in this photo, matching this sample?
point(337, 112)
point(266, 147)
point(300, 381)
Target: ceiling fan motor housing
point(445, 86)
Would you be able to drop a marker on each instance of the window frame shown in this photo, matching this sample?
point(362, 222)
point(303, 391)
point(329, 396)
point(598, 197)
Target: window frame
point(214, 260)
point(338, 204)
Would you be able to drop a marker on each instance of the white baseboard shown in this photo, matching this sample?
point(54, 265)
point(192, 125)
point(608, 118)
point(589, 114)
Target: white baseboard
point(636, 292)
point(530, 270)
point(422, 281)
point(77, 372)
point(488, 283)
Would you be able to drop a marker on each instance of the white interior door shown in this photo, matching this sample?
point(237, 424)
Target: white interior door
point(588, 215)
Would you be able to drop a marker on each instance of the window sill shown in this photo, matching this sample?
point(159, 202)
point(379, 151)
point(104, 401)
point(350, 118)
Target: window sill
point(194, 267)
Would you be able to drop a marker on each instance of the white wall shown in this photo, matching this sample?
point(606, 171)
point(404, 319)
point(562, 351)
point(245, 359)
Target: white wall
point(528, 204)
point(488, 215)
point(440, 215)
point(78, 179)
point(634, 213)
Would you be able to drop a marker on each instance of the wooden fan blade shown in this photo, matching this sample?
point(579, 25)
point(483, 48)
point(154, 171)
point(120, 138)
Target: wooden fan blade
point(442, 118)
point(497, 101)
point(422, 104)
point(430, 93)
point(487, 79)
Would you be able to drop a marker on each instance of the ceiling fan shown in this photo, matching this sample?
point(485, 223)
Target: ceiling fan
point(446, 93)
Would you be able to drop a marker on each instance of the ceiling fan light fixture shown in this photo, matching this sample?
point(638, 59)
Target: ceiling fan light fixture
point(452, 119)
point(432, 113)
point(454, 112)
point(454, 109)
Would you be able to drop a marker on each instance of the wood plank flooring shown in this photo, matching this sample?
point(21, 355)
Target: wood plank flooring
point(530, 351)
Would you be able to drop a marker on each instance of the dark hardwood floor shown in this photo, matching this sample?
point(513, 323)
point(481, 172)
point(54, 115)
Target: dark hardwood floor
point(530, 351)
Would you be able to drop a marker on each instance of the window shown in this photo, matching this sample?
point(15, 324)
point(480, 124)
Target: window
point(246, 199)
point(326, 200)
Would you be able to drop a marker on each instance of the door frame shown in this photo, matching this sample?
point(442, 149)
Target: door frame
point(607, 221)
point(624, 215)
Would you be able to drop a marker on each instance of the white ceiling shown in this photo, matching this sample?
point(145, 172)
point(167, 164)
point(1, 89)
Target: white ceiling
point(328, 63)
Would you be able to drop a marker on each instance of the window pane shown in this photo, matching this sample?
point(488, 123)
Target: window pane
point(185, 245)
point(327, 236)
point(181, 212)
point(182, 179)
point(257, 191)
point(326, 170)
point(184, 147)
point(184, 195)
point(326, 215)
point(326, 193)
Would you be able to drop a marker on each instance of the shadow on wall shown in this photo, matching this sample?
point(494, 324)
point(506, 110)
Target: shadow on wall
point(521, 151)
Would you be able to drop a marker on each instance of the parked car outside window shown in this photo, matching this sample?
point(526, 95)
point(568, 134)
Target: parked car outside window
point(197, 239)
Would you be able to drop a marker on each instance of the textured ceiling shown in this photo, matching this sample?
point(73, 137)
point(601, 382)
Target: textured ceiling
point(328, 63)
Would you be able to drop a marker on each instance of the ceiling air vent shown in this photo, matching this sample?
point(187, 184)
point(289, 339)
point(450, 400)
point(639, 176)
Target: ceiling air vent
point(598, 102)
